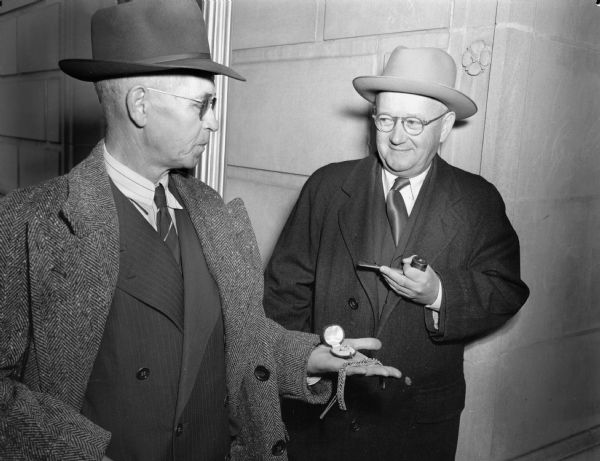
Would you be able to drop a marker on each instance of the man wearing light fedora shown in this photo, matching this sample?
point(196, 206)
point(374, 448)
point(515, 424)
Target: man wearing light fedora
point(131, 314)
point(385, 210)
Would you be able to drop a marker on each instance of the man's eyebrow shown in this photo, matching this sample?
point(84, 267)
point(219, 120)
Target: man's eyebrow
point(204, 94)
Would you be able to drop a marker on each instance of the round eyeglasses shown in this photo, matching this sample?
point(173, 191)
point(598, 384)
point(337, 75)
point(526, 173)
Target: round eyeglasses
point(203, 104)
point(412, 125)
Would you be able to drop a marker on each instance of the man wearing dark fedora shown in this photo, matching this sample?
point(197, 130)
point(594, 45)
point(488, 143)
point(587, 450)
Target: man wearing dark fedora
point(130, 294)
point(385, 210)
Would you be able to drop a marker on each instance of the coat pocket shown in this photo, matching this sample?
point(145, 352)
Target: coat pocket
point(441, 403)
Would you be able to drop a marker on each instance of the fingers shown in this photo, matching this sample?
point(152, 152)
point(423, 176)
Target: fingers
point(369, 344)
point(374, 370)
point(398, 282)
point(391, 274)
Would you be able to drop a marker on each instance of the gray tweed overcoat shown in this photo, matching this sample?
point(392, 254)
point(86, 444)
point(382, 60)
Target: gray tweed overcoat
point(59, 260)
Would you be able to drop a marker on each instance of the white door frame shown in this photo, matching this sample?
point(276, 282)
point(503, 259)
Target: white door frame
point(211, 169)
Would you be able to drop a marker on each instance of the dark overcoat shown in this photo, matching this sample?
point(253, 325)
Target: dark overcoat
point(460, 226)
point(59, 262)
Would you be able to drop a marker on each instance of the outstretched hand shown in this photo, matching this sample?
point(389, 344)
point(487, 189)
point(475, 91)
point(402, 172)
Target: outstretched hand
point(321, 360)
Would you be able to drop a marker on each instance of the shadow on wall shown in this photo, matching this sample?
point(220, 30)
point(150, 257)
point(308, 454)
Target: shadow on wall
point(88, 125)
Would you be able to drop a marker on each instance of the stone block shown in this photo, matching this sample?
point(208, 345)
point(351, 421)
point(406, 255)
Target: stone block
point(38, 45)
point(9, 167)
point(297, 115)
point(562, 133)
point(22, 112)
point(505, 130)
point(560, 268)
point(474, 13)
point(516, 13)
point(37, 163)
point(259, 23)
point(575, 21)
point(545, 146)
point(9, 5)
point(355, 18)
point(477, 419)
point(8, 46)
point(548, 392)
point(269, 197)
point(53, 121)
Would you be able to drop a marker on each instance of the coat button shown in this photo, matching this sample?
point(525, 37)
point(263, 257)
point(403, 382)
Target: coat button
point(352, 304)
point(3, 408)
point(354, 425)
point(143, 374)
point(179, 430)
point(261, 373)
point(279, 448)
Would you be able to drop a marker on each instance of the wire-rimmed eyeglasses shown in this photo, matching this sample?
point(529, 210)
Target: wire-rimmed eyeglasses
point(204, 104)
point(412, 125)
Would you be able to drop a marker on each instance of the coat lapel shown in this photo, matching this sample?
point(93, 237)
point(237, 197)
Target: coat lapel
point(201, 301)
point(437, 223)
point(233, 259)
point(75, 261)
point(355, 219)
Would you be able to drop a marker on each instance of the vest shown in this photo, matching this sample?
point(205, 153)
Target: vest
point(158, 382)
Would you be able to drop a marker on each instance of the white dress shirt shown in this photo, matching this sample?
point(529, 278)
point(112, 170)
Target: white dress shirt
point(139, 190)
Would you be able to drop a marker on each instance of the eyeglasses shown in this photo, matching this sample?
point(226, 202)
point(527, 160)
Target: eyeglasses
point(412, 125)
point(204, 104)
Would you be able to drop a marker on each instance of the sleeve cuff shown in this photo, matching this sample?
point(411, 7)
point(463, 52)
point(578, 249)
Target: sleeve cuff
point(434, 308)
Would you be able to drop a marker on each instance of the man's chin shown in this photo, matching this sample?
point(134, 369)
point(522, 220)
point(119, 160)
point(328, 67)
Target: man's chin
point(193, 158)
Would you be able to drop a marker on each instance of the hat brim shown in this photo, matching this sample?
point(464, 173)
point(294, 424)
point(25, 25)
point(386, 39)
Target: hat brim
point(92, 70)
point(458, 102)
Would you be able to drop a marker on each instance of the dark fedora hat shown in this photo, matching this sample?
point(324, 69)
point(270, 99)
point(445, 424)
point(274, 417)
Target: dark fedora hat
point(147, 37)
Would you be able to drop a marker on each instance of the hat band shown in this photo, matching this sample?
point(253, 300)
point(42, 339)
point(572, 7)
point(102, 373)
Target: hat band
point(174, 57)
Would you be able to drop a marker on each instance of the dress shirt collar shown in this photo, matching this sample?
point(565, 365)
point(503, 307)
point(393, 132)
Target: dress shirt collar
point(135, 187)
point(416, 182)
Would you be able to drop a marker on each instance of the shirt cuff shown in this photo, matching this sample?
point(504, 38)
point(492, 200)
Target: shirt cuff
point(312, 380)
point(435, 307)
point(438, 300)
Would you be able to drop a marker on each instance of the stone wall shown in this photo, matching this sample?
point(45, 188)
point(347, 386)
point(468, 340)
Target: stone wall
point(30, 92)
point(48, 121)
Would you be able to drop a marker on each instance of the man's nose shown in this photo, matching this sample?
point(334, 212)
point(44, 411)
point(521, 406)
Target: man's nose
point(210, 120)
point(398, 135)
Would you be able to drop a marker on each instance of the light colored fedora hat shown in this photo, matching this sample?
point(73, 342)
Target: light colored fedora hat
point(427, 72)
point(147, 37)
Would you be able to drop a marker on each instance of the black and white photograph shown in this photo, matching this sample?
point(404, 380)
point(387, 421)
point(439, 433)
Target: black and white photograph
point(304, 230)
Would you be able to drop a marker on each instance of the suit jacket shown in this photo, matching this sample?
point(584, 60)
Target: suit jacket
point(458, 224)
point(59, 262)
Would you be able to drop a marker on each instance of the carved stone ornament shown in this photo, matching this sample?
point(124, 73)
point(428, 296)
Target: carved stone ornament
point(476, 58)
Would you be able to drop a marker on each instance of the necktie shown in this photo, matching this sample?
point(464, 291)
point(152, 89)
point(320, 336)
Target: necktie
point(164, 225)
point(396, 209)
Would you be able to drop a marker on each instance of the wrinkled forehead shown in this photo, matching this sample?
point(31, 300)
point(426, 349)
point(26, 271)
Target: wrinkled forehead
point(391, 102)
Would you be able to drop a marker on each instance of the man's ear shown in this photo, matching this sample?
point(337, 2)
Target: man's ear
point(137, 105)
point(447, 124)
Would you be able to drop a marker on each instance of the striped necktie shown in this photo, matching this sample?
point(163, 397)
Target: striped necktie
point(165, 225)
point(396, 209)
